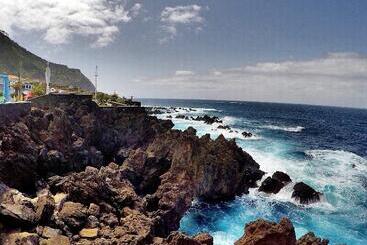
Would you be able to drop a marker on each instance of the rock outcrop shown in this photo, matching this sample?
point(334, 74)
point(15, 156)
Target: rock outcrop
point(262, 232)
point(207, 119)
point(198, 167)
point(311, 239)
point(305, 194)
point(52, 141)
point(275, 183)
point(62, 160)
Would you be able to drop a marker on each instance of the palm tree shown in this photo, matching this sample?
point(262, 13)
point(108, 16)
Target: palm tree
point(17, 86)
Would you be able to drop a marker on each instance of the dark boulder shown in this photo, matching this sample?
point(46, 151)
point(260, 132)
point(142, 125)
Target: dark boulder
point(282, 177)
point(305, 194)
point(271, 185)
point(224, 127)
point(246, 134)
point(275, 183)
point(207, 119)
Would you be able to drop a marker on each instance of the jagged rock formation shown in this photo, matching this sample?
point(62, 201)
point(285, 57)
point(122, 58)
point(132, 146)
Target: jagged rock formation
point(262, 232)
point(69, 138)
point(89, 175)
point(207, 119)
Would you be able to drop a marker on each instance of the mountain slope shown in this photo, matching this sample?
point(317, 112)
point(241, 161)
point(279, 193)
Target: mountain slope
point(13, 56)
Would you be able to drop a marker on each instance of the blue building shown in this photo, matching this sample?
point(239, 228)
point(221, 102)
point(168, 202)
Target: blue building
point(5, 87)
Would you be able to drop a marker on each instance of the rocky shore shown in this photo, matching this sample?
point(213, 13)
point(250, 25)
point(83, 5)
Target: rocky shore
point(80, 174)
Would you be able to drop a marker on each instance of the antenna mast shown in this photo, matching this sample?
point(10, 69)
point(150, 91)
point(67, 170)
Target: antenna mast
point(95, 82)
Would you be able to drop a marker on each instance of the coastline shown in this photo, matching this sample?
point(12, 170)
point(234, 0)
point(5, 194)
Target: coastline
point(156, 174)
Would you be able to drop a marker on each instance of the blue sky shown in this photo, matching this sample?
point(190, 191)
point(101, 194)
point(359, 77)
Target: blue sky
point(286, 51)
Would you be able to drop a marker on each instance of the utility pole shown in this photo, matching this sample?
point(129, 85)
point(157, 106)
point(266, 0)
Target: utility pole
point(95, 82)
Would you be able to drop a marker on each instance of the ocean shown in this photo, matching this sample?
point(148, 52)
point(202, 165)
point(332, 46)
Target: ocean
point(325, 147)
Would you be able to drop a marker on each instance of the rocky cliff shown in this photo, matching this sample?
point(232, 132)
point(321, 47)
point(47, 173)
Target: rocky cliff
point(80, 174)
point(95, 176)
point(262, 232)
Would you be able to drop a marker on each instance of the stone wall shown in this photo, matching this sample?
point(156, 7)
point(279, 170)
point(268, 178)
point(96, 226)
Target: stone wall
point(13, 111)
point(125, 109)
point(10, 112)
point(54, 100)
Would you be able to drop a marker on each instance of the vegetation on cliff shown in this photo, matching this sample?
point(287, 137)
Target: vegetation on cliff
point(16, 60)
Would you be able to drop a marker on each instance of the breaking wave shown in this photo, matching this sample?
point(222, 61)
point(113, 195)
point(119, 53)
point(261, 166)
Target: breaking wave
point(284, 128)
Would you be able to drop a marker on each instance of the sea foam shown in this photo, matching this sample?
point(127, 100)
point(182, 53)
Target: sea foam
point(284, 128)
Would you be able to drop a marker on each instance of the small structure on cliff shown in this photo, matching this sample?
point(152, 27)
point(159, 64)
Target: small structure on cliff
point(6, 87)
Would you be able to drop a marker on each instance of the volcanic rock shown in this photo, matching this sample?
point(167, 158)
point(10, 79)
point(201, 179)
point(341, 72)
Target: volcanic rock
point(18, 156)
point(305, 194)
point(140, 199)
point(262, 232)
point(275, 183)
point(19, 238)
point(204, 238)
point(282, 177)
point(44, 208)
point(246, 134)
point(69, 138)
point(182, 166)
point(311, 239)
point(15, 208)
point(177, 238)
point(224, 127)
point(271, 185)
point(97, 186)
point(94, 210)
point(73, 215)
point(207, 119)
point(59, 240)
point(49, 232)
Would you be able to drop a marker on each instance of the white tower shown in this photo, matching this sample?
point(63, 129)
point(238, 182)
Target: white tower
point(48, 77)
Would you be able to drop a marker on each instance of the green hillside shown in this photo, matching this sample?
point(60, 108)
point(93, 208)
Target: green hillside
point(14, 57)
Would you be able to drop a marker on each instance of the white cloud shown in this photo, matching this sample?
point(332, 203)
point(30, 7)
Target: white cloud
point(184, 73)
point(172, 17)
point(337, 79)
point(60, 20)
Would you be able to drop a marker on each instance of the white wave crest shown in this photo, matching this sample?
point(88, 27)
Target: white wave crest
point(228, 120)
point(284, 128)
point(343, 159)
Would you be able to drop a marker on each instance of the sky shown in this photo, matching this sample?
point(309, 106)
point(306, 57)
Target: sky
point(290, 51)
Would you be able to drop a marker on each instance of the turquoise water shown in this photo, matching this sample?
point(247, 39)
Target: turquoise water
point(326, 147)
